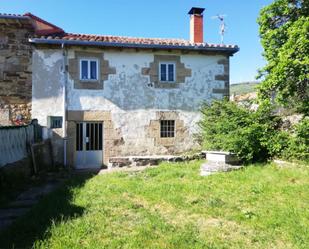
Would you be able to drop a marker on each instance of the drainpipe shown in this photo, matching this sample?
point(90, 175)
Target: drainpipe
point(65, 80)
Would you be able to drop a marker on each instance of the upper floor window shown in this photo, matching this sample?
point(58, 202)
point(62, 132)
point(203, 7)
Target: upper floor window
point(89, 69)
point(167, 71)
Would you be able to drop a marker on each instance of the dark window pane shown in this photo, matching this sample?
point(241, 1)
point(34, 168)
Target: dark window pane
point(167, 128)
point(163, 72)
point(170, 72)
point(77, 137)
point(92, 137)
point(84, 70)
point(96, 136)
point(93, 70)
point(81, 142)
point(100, 136)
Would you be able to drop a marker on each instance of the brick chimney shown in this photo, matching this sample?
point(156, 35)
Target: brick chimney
point(196, 25)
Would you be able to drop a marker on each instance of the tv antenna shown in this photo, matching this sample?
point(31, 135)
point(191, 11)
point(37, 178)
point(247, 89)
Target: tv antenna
point(222, 28)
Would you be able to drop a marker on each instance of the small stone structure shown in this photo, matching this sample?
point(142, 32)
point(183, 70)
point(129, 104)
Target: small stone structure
point(221, 157)
point(219, 161)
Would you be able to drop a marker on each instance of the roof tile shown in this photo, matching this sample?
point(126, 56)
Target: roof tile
point(132, 40)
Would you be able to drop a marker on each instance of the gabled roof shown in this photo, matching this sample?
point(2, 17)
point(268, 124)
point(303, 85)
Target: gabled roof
point(131, 42)
point(43, 27)
point(40, 26)
point(48, 33)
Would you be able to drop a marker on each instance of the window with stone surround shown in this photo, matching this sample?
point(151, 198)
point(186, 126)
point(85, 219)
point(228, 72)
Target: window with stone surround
point(167, 128)
point(167, 71)
point(89, 69)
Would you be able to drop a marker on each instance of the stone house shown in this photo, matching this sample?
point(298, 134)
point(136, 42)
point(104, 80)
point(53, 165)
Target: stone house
point(108, 96)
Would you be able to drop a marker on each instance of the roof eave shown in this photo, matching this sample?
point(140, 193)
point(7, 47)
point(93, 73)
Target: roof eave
point(229, 50)
point(15, 17)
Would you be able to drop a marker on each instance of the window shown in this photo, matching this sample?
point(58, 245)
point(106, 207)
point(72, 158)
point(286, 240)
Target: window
point(54, 122)
point(89, 69)
point(167, 128)
point(167, 71)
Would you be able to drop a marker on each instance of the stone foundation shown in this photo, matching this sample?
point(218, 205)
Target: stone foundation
point(131, 161)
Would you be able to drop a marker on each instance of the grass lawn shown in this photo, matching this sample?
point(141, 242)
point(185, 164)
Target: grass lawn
point(172, 207)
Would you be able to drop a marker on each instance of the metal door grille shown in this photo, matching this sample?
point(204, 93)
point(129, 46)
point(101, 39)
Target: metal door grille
point(89, 136)
point(79, 137)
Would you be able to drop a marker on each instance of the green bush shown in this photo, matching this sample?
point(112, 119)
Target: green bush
point(226, 126)
point(298, 143)
point(252, 135)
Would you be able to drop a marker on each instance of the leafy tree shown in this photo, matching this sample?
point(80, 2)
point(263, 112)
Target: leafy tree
point(284, 32)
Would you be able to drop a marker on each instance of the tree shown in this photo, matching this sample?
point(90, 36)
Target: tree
point(284, 32)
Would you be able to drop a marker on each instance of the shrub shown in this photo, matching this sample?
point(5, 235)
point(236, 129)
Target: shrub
point(298, 143)
point(252, 135)
point(226, 126)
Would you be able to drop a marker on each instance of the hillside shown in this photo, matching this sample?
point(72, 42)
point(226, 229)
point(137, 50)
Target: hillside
point(243, 88)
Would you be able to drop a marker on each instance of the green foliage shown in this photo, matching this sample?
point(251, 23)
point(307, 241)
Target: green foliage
point(226, 126)
point(252, 135)
point(284, 32)
point(298, 143)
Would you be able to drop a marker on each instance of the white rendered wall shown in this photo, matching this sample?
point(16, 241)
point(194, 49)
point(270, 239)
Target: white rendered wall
point(127, 94)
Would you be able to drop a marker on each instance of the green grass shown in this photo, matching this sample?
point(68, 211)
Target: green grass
point(243, 88)
point(172, 207)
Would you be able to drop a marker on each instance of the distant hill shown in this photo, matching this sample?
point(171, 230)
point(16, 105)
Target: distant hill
point(243, 88)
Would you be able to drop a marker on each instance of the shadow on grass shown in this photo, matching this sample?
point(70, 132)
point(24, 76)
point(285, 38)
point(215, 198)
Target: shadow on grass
point(53, 208)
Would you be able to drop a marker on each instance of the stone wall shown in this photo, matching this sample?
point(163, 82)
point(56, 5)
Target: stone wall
point(15, 71)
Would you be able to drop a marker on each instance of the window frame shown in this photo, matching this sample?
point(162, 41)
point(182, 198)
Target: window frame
point(52, 120)
point(167, 63)
point(89, 60)
point(168, 132)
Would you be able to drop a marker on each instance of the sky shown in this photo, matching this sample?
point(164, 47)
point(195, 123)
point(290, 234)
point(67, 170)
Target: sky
point(158, 19)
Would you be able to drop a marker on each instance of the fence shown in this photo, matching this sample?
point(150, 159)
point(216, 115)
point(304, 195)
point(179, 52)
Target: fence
point(15, 142)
